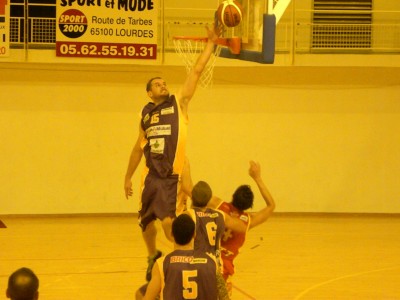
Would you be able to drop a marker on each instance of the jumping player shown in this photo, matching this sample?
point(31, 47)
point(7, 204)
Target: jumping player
point(162, 141)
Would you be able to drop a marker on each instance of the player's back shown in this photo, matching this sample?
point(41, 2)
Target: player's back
point(232, 241)
point(188, 276)
point(210, 225)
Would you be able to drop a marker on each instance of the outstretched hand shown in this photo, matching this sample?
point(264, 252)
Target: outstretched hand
point(214, 33)
point(255, 170)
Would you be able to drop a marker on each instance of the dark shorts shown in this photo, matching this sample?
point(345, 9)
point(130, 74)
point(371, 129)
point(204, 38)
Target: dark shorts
point(158, 199)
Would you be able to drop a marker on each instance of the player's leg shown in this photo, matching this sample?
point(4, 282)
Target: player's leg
point(228, 282)
point(181, 201)
point(185, 186)
point(167, 227)
point(222, 287)
point(227, 273)
point(147, 218)
point(149, 236)
point(166, 207)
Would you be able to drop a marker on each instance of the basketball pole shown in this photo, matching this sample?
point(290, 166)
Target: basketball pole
point(293, 56)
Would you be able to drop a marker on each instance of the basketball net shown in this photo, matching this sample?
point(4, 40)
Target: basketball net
point(188, 48)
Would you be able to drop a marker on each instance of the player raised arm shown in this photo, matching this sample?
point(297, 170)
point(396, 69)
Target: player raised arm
point(185, 93)
point(262, 215)
point(134, 160)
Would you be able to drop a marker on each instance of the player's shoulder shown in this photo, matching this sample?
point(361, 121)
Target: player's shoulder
point(214, 202)
point(217, 213)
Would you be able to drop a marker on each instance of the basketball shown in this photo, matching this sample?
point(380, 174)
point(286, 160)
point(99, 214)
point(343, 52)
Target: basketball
point(229, 13)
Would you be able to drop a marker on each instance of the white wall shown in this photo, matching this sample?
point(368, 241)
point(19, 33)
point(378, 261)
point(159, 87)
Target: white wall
point(327, 138)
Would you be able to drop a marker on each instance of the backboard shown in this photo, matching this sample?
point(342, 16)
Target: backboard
point(257, 31)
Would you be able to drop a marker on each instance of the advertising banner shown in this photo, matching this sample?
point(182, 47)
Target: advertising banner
point(4, 28)
point(107, 28)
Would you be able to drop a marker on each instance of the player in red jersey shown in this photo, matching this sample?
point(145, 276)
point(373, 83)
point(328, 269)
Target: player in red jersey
point(242, 200)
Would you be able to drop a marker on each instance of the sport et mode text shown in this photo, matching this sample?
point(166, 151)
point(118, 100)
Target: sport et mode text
point(127, 5)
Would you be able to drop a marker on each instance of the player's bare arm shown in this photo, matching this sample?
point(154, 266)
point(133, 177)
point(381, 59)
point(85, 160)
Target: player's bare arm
point(154, 287)
point(214, 202)
point(262, 215)
point(234, 224)
point(186, 92)
point(134, 160)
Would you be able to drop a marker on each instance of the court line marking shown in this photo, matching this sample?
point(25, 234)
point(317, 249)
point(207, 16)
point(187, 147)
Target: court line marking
point(243, 292)
point(299, 296)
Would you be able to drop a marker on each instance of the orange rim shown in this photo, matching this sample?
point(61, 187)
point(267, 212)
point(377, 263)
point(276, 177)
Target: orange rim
point(191, 38)
point(234, 43)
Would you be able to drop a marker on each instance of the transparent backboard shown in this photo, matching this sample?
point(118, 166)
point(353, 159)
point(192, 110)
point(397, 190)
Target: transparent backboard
point(256, 30)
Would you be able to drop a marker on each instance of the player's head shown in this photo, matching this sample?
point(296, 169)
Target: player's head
point(157, 89)
point(23, 284)
point(183, 228)
point(243, 198)
point(150, 82)
point(201, 194)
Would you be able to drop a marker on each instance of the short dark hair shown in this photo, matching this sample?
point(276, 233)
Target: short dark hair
point(23, 284)
point(183, 228)
point(243, 197)
point(148, 85)
point(201, 194)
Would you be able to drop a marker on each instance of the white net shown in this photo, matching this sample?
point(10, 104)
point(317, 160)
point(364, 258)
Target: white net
point(189, 49)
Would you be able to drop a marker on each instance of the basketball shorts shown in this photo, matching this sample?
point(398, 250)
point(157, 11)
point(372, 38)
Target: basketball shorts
point(158, 199)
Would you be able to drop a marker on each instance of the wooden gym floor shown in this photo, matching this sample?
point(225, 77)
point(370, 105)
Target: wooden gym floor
point(301, 256)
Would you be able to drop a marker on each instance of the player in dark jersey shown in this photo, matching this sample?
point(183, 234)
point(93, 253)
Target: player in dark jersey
point(162, 140)
point(210, 223)
point(183, 273)
point(242, 200)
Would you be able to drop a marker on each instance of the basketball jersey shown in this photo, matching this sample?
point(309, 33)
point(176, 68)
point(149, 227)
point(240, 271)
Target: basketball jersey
point(165, 137)
point(187, 276)
point(210, 225)
point(231, 241)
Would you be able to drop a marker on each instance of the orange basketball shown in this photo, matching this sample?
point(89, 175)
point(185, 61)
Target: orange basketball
point(229, 13)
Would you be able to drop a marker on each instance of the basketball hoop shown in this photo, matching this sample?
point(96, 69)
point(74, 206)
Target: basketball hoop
point(188, 48)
